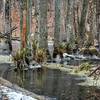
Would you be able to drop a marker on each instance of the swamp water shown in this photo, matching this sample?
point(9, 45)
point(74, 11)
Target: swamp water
point(53, 83)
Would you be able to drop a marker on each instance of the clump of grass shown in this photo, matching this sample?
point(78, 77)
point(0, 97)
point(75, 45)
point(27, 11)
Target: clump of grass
point(68, 48)
point(40, 55)
point(85, 67)
point(18, 59)
point(94, 51)
point(21, 58)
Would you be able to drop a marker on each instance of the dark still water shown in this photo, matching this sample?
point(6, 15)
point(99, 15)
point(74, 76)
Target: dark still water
point(53, 83)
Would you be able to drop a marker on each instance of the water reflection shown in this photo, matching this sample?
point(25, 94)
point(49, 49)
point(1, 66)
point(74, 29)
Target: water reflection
point(55, 84)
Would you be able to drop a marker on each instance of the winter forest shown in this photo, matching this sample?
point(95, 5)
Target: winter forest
point(70, 20)
point(46, 46)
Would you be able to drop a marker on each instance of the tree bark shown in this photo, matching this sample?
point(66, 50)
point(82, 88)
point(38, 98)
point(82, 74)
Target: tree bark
point(90, 21)
point(82, 22)
point(57, 22)
point(36, 15)
point(69, 20)
point(98, 21)
point(8, 22)
point(29, 22)
point(21, 19)
point(43, 24)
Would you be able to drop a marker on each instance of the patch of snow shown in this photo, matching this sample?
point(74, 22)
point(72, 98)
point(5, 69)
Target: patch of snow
point(14, 95)
point(95, 57)
point(5, 59)
point(34, 65)
point(18, 96)
point(90, 81)
point(65, 55)
point(80, 57)
point(58, 59)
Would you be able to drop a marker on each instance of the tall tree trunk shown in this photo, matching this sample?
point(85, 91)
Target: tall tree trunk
point(66, 10)
point(76, 16)
point(21, 19)
point(36, 15)
point(90, 21)
point(1, 5)
point(8, 21)
point(98, 21)
point(29, 22)
point(57, 22)
point(62, 28)
point(23, 30)
point(43, 24)
point(82, 22)
point(69, 21)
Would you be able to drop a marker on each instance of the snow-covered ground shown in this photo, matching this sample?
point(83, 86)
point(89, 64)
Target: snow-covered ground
point(5, 59)
point(13, 94)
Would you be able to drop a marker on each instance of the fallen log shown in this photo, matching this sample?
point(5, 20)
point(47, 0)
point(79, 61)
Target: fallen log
point(94, 72)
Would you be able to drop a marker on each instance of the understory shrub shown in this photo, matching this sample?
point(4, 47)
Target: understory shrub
point(89, 51)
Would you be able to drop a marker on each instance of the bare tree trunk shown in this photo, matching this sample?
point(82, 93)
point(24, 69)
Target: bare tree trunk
point(77, 8)
point(8, 21)
point(1, 5)
point(21, 19)
point(23, 24)
point(90, 21)
point(66, 10)
point(57, 22)
point(98, 21)
point(69, 20)
point(36, 15)
point(29, 22)
point(82, 22)
point(62, 23)
point(43, 24)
